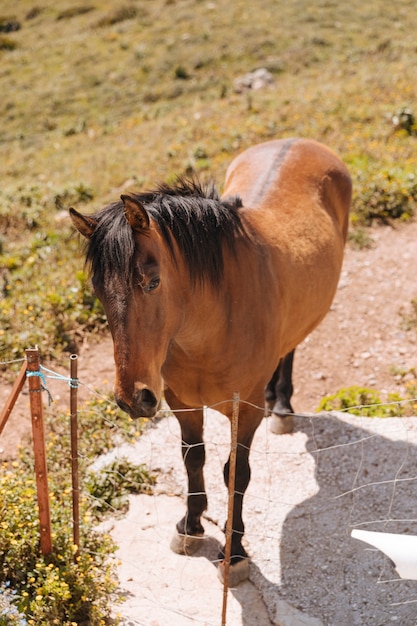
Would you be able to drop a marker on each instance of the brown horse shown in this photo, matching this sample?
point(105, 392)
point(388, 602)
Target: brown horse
point(208, 296)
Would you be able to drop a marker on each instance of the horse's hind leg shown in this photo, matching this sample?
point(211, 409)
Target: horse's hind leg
point(190, 531)
point(278, 394)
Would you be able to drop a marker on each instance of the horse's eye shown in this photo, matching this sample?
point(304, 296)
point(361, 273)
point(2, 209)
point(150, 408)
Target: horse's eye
point(153, 284)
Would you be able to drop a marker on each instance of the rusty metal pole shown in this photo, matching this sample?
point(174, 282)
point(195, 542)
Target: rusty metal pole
point(14, 394)
point(231, 492)
point(74, 455)
point(35, 389)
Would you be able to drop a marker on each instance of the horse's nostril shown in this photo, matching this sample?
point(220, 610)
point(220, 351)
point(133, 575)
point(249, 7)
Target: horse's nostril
point(123, 405)
point(144, 404)
point(148, 399)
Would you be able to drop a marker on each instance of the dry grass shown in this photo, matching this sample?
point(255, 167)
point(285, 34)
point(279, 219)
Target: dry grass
point(111, 94)
point(103, 105)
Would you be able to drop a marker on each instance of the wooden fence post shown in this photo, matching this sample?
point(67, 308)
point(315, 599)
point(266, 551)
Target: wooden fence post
point(231, 499)
point(14, 394)
point(35, 395)
point(74, 456)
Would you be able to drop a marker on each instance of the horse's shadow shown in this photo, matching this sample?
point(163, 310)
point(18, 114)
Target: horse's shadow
point(364, 480)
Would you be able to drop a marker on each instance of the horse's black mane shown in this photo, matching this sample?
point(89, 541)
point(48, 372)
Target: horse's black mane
point(189, 213)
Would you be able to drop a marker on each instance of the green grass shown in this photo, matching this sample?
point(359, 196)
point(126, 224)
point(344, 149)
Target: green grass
point(367, 403)
point(107, 96)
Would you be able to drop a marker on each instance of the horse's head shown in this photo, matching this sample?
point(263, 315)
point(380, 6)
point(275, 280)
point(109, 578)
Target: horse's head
point(129, 262)
point(148, 254)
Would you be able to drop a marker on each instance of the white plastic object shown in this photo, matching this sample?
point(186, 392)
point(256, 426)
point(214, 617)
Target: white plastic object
point(401, 549)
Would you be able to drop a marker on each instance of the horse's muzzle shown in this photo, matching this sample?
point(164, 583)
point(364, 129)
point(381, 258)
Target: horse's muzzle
point(144, 404)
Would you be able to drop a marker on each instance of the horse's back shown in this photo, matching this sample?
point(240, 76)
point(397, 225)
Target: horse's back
point(296, 196)
point(292, 176)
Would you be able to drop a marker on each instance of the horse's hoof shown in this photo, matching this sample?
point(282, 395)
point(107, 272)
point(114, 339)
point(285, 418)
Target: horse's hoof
point(186, 544)
point(281, 425)
point(237, 572)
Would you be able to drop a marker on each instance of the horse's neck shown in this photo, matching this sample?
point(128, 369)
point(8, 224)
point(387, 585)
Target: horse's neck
point(216, 316)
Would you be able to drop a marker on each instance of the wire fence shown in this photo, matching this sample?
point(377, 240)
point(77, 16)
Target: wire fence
point(307, 492)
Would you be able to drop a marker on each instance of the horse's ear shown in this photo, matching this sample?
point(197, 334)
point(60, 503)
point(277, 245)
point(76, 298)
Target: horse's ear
point(136, 214)
point(83, 223)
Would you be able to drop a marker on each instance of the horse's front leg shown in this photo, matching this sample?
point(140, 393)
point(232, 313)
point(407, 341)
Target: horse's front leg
point(249, 419)
point(190, 531)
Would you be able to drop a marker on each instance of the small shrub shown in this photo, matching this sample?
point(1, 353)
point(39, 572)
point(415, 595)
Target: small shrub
point(359, 238)
point(111, 486)
point(409, 317)
point(384, 196)
point(73, 195)
point(9, 25)
point(74, 11)
point(181, 73)
point(55, 589)
point(33, 13)
point(200, 153)
point(121, 14)
point(101, 425)
point(24, 210)
point(411, 392)
point(405, 121)
point(7, 44)
point(362, 401)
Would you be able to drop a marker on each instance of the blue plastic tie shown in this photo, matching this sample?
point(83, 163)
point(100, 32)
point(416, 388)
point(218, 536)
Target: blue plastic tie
point(42, 376)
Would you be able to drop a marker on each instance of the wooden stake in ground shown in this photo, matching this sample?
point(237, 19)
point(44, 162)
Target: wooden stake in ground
point(35, 394)
point(14, 394)
point(74, 456)
point(231, 497)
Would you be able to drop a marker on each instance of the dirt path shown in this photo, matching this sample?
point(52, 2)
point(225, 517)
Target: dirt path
point(361, 341)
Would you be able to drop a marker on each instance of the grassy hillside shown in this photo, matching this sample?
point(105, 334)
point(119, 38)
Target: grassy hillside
point(102, 96)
